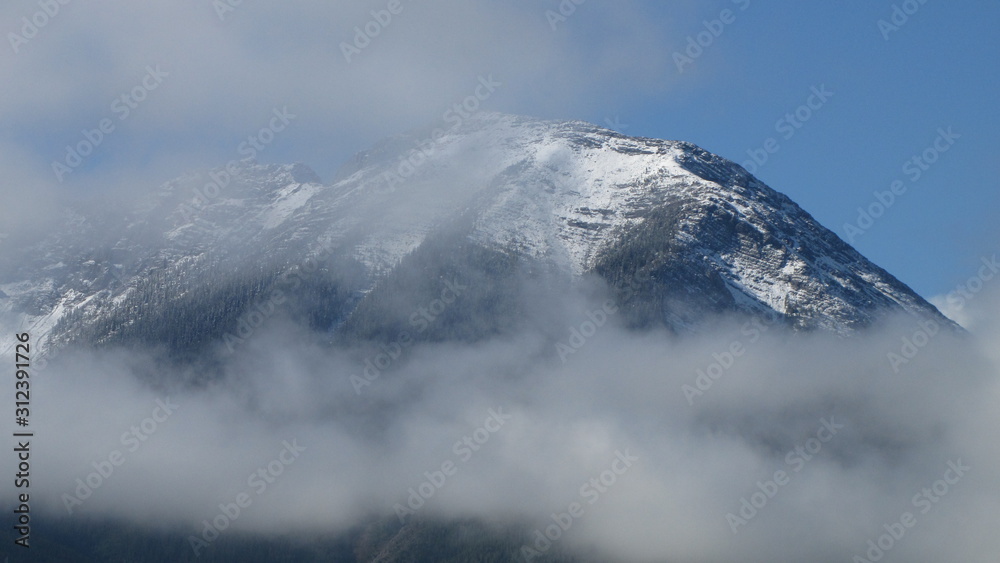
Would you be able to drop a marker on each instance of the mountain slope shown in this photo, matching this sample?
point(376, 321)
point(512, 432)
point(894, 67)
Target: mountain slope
point(567, 198)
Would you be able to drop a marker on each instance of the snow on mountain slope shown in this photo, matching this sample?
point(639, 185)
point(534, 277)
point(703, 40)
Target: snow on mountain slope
point(560, 192)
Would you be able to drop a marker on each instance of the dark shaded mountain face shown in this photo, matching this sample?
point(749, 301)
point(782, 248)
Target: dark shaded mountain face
point(504, 203)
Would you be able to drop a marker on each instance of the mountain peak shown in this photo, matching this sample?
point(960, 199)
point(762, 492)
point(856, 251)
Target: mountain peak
point(568, 196)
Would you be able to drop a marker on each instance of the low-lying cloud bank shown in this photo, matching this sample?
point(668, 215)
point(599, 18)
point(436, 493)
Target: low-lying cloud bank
point(747, 443)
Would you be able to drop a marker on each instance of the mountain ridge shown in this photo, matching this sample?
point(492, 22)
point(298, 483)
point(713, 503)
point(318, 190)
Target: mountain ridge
point(573, 197)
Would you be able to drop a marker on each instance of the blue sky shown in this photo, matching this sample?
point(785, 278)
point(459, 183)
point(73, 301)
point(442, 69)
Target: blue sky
point(610, 63)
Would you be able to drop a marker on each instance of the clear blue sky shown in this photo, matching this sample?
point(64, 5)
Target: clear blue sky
point(607, 62)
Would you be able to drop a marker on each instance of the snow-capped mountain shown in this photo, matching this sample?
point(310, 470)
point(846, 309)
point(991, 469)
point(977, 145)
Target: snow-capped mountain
point(571, 197)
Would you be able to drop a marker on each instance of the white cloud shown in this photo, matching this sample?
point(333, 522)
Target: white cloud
point(619, 392)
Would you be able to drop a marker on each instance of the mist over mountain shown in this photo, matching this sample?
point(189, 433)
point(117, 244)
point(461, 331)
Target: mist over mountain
point(501, 198)
point(474, 333)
